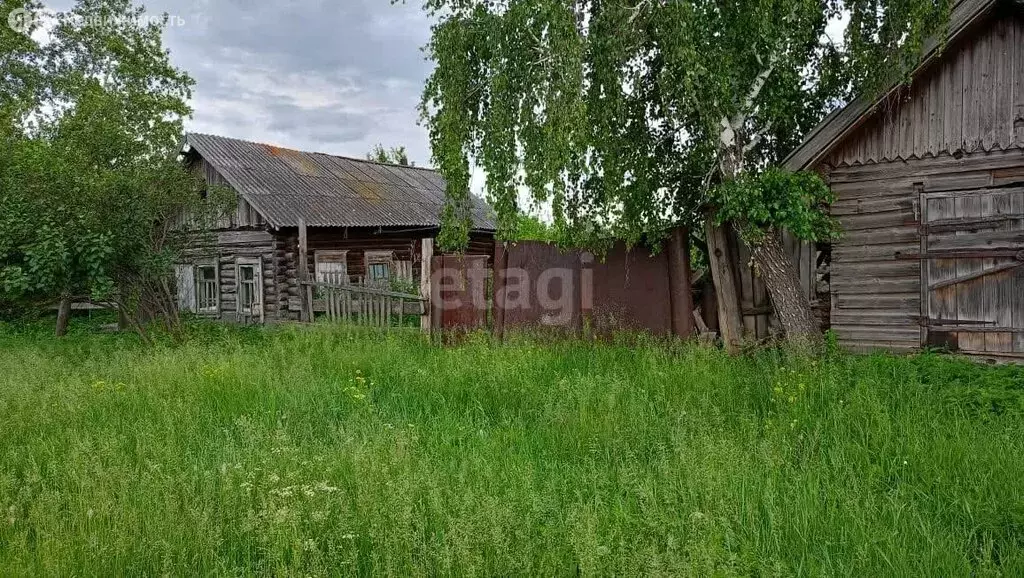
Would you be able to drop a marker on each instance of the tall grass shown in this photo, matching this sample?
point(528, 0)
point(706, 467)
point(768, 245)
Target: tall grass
point(328, 451)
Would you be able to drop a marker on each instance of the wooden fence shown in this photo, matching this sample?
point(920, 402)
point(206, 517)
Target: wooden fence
point(361, 305)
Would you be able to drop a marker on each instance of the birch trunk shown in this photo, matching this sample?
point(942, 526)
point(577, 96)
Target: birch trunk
point(792, 306)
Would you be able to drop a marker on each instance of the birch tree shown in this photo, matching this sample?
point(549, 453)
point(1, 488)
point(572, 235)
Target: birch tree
point(632, 115)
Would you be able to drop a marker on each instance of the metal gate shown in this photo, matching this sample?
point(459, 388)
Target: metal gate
point(972, 270)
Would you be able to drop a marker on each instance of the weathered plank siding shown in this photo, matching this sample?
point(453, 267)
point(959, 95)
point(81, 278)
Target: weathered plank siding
point(244, 215)
point(971, 100)
point(876, 294)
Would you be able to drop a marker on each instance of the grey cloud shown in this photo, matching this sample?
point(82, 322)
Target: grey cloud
point(320, 125)
point(325, 75)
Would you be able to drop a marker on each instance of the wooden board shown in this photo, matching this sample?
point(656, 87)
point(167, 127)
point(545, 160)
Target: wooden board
point(979, 294)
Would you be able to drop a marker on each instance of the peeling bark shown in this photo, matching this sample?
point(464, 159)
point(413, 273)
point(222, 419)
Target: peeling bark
point(792, 306)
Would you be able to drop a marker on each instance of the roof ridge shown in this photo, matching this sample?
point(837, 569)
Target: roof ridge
point(346, 157)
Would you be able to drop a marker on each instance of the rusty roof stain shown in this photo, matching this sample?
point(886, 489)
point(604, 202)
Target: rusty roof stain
point(286, 186)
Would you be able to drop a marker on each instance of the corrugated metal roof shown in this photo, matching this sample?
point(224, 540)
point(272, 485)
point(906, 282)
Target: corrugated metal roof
point(286, 185)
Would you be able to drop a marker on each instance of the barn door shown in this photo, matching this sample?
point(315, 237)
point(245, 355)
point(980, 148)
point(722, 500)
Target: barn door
point(972, 270)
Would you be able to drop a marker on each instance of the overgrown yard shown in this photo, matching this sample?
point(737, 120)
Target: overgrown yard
point(324, 451)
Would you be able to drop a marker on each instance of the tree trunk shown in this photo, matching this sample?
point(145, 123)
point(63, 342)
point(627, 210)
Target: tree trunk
point(780, 278)
point(63, 315)
point(730, 319)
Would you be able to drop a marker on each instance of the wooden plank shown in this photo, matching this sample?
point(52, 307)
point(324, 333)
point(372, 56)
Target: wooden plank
point(994, 269)
point(1003, 93)
point(936, 108)
point(905, 303)
point(972, 102)
point(888, 235)
point(426, 259)
point(989, 331)
point(1016, 287)
point(885, 270)
point(969, 306)
point(1018, 83)
point(969, 240)
point(922, 124)
point(876, 221)
point(890, 131)
point(869, 285)
point(908, 335)
point(746, 281)
point(1000, 287)
point(990, 289)
point(953, 109)
point(907, 125)
point(885, 252)
point(972, 225)
point(925, 266)
point(959, 254)
point(870, 206)
point(843, 317)
point(987, 65)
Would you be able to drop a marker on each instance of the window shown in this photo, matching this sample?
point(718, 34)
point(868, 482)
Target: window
point(207, 291)
point(198, 288)
point(250, 288)
point(379, 272)
point(331, 267)
point(379, 266)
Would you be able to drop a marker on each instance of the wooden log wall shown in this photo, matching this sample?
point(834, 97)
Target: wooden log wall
point(405, 244)
point(876, 297)
point(228, 247)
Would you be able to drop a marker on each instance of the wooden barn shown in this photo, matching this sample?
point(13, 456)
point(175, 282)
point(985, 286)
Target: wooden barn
point(930, 185)
point(366, 223)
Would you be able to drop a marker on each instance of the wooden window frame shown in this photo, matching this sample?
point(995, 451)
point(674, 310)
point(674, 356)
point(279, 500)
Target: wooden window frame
point(379, 258)
point(257, 306)
point(337, 256)
point(215, 309)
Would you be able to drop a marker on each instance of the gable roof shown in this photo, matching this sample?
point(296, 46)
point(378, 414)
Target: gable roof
point(842, 122)
point(287, 186)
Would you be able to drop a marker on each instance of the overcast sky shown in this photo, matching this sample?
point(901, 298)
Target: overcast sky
point(334, 76)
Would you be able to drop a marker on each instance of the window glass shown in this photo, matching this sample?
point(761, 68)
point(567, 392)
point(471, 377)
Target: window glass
point(246, 288)
point(379, 271)
point(206, 288)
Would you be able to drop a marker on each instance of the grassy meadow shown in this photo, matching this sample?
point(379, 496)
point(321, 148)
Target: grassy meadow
point(329, 451)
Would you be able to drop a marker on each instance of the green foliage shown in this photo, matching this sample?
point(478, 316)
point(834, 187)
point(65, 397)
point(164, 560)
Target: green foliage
point(532, 228)
point(775, 200)
point(614, 111)
point(302, 451)
point(887, 48)
point(91, 187)
point(393, 156)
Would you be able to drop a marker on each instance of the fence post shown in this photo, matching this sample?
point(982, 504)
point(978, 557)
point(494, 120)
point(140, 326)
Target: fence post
point(680, 290)
point(426, 269)
point(303, 271)
point(498, 289)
